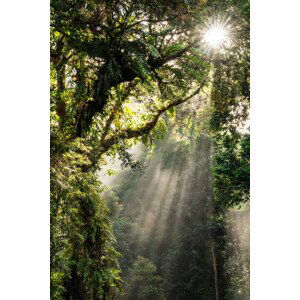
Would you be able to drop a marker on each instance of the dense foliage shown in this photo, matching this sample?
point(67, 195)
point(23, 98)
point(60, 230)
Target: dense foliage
point(84, 263)
point(166, 213)
point(144, 283)
point(124, 72)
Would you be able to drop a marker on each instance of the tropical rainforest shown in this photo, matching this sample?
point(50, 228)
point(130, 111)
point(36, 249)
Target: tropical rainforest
point(149, 149)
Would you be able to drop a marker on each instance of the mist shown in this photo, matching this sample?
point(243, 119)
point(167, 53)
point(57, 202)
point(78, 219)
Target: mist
point(169, 205)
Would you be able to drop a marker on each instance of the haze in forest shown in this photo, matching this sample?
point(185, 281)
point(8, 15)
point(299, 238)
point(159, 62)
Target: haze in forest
point(149, 153)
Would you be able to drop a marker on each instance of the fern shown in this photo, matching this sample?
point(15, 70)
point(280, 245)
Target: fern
point(169, 50)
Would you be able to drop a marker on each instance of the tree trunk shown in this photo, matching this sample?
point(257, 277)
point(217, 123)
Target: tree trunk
point(215, 270)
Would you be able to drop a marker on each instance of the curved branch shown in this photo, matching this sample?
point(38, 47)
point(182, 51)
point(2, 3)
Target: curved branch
point(134, 133)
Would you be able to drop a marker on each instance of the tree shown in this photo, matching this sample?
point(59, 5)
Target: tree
point(230, 98)
point(112, 78)
point(105, 56)
point(100, 45)
point(144, 282)
point(84, 263)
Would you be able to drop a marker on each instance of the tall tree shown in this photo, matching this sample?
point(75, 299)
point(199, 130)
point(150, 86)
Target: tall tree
point(116, 67)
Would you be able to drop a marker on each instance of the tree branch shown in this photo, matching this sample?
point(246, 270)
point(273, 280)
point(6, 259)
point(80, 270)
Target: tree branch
point(133, 133)
point(116, 108)
point(151, 21)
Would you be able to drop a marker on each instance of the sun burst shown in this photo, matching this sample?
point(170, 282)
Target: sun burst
point(216, 35)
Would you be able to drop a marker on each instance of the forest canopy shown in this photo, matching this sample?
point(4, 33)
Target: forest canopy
point(125, 73)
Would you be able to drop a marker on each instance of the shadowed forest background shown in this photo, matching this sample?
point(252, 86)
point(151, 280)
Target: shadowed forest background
point(150, 148)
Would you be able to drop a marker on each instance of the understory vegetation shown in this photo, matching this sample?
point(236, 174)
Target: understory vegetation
point(133, 83)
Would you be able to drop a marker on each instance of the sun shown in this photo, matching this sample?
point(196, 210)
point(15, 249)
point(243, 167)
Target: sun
point(216, 35)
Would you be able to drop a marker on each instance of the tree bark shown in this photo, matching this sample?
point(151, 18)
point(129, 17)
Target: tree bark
point(215, 270)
